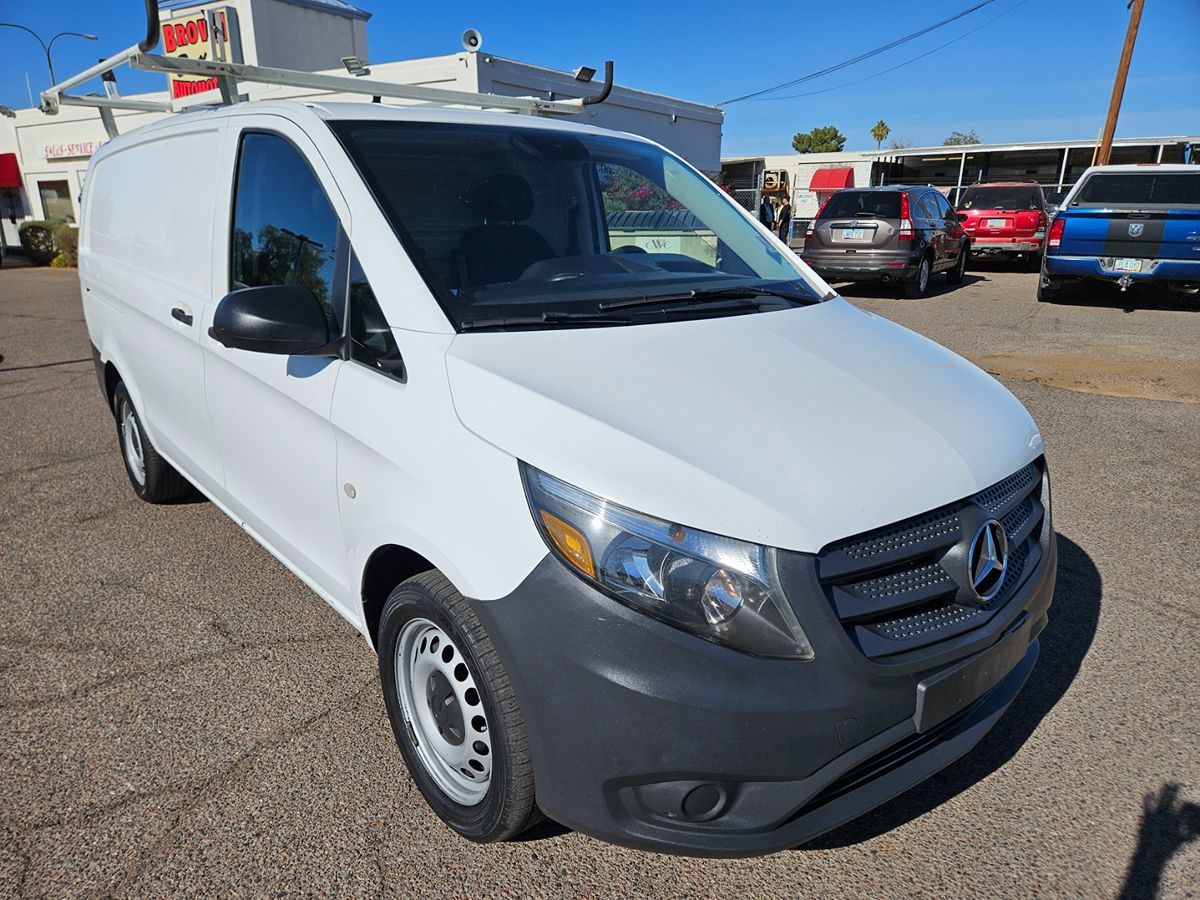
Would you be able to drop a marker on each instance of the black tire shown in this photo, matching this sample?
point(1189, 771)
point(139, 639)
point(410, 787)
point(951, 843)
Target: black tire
point(918, 284)
point(1033, 262)
point(1049, 291)
point(956, 274)
point(509, 806)
point(158, 481)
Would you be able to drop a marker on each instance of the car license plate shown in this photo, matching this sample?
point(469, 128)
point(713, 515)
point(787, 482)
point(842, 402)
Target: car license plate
point(854, 234)
point(997, 223)
point(1127, 265)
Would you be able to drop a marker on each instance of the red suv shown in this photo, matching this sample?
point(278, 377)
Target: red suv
point(1005, 219)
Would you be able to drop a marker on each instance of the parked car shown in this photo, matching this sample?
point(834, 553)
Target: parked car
point(1053, 202)
point(658, 536)
point(1005, 220)
point(1126, 225)
point(898, 234)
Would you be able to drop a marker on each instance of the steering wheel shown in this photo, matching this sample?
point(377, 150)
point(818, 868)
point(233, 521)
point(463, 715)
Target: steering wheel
point(630, 248)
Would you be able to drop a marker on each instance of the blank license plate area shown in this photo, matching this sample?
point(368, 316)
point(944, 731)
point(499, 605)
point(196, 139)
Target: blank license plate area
point(854, 234)
point(941, 696)
point(997, 223)
point(1127, 265)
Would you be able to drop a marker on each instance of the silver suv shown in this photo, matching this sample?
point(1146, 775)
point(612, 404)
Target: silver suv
point(898, 234)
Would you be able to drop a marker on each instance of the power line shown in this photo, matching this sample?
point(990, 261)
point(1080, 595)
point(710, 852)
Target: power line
point(838, 87)
point(860, 57)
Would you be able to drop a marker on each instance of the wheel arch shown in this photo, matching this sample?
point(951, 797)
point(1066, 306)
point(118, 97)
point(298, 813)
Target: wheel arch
point(387, 566)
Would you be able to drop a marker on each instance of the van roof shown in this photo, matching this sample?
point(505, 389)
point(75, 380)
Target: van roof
point(302, 109)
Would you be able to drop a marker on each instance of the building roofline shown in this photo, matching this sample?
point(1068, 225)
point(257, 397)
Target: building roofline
point(958, 149)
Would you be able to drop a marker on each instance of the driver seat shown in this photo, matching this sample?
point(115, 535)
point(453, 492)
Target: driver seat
point(502, 248)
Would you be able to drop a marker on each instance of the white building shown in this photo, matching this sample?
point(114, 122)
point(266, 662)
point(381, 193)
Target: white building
point(43, 158)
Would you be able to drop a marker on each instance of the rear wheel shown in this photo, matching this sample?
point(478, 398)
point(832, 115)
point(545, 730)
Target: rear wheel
point(454, 712)
point(1050, 290)
point(956, 274)
point(916, 285)
point(152, 477)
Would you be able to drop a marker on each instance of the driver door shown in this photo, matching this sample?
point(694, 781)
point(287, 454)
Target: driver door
point(271, 413)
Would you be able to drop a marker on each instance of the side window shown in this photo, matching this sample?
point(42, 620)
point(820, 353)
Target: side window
point(371, 339)
point(927, 207)
point(284, 229)
point(943, 206)
point(642, 217)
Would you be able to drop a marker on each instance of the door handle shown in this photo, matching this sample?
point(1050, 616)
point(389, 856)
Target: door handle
point(180, 316)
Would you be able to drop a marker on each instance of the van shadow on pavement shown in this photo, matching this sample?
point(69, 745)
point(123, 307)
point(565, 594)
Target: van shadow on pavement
point(1068, 635)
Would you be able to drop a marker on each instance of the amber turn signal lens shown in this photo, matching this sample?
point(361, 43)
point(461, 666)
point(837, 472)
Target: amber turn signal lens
point(570, 543)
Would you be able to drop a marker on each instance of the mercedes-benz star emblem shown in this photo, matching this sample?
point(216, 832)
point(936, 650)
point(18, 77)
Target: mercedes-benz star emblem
point(1135, 229)
point(987, 560)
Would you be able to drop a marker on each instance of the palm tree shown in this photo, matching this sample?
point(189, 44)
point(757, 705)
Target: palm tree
point(880, 133)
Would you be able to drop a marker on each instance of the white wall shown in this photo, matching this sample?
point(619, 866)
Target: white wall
point(801, 166)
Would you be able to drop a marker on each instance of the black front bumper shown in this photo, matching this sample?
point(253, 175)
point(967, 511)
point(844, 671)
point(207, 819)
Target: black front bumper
point(646, 736)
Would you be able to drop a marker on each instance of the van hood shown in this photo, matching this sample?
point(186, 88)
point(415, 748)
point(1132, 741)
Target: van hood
point(791, 428)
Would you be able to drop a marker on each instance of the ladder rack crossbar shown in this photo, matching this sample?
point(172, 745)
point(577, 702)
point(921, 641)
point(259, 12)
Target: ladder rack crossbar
point(349, 84)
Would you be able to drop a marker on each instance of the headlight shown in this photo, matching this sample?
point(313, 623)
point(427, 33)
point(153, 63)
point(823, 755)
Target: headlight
point(718, 588)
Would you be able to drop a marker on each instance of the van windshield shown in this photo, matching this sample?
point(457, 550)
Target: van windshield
point(534, 227)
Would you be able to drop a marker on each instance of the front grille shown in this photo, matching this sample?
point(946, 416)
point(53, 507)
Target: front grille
point(892, 588)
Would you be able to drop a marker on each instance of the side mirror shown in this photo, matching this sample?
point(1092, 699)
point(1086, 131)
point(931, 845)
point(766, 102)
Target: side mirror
point(278, 318)
point(962, 217)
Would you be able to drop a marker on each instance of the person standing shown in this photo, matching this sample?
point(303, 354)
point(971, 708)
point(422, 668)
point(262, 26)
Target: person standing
point(785, 218)
point(766, 212)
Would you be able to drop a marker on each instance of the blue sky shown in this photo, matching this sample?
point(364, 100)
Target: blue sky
point(1042, 71)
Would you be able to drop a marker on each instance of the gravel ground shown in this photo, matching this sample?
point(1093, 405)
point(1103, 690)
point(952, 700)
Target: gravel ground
point(180, 715)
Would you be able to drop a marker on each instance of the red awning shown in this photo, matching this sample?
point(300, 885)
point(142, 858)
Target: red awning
point(829, 180)
point(10, 175)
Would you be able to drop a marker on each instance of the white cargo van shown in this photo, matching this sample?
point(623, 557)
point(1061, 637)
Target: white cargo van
point(652, 532)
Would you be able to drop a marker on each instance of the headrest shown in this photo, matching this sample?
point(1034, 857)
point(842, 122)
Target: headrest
point(506, 197)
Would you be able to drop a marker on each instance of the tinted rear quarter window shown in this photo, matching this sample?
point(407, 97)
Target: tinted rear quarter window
point(1140, 189)
point(1000, 198)
point(882, 204)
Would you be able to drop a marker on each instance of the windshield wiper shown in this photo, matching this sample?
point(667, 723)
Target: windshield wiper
point(705, 295)
point(546, 318)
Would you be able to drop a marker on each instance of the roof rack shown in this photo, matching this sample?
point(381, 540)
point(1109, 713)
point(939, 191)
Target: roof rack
point(228, 75)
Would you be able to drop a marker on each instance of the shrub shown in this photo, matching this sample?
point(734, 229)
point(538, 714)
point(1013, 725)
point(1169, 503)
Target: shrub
point(66, 241)
point(37, 239)
point(60, 262)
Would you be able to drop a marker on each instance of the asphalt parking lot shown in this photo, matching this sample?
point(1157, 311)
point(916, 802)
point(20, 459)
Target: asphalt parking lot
point(181, 715)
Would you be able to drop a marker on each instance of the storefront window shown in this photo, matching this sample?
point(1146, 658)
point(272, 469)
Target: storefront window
point(56, 200)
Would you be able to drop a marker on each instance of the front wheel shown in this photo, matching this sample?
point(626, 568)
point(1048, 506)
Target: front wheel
point(918, 284)
point(453, 711)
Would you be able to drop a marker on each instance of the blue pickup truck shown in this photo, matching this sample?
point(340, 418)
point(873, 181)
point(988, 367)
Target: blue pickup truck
point(1126, 225)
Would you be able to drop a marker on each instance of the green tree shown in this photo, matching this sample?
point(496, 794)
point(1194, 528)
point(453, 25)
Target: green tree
point(880, 133)
point(958, 138)
point(901, 143)
point(819, 140)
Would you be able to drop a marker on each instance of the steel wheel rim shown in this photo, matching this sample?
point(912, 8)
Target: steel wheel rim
point(131, 443)
point(440, 701)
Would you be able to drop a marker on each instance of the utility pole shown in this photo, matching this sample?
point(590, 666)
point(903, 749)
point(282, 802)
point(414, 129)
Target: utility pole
point(1114, 105)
